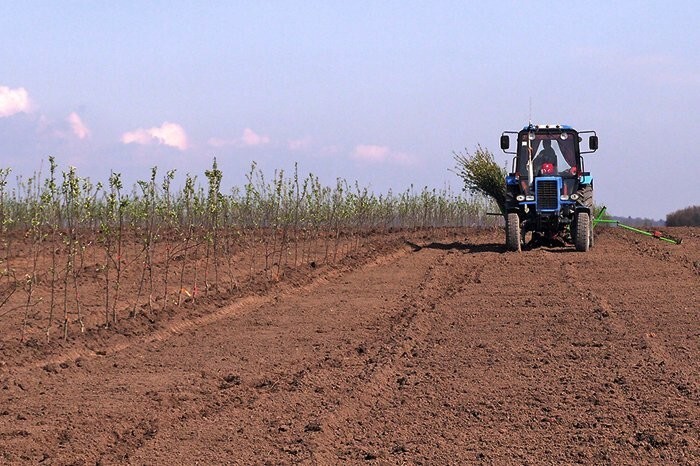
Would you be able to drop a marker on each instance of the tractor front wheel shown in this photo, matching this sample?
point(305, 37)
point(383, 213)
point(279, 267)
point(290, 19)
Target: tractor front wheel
point(513, 242)
point(582, 240)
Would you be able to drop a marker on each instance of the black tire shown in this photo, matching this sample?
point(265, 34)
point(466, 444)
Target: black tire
point(513, 237)
point(583, 232)
point(585, 199)
point(585, 196)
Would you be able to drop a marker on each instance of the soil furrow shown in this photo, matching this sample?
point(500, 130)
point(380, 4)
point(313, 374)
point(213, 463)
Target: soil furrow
point(451, 352)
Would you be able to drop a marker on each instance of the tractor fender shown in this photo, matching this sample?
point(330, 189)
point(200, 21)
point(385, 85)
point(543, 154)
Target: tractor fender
point(586, 179)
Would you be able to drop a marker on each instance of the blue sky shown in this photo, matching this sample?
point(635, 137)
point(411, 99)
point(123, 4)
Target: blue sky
point(380, 92)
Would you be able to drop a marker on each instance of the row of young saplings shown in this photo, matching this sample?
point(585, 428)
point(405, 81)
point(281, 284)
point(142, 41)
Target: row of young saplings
point(155, 247)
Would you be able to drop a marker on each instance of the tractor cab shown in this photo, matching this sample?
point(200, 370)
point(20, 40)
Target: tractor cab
point(549, 155)
point(546, 154)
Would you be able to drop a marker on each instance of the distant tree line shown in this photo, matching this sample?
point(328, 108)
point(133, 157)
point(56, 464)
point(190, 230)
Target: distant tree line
point(639, 222)
point(688, 217)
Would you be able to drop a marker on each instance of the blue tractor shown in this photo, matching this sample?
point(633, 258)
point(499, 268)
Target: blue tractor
point(549, 192)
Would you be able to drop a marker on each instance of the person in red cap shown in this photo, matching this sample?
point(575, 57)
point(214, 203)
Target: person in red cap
point(547, 169)
point(547, 159)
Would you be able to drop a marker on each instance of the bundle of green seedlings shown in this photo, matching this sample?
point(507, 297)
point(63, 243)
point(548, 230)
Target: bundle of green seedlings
point(153, 246)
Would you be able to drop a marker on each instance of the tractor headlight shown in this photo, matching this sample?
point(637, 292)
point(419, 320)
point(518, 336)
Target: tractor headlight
point(520, 198)
point(574, 197)
point(564, 197)
point(529, 198)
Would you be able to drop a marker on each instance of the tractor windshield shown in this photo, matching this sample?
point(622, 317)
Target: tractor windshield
point(546, 154)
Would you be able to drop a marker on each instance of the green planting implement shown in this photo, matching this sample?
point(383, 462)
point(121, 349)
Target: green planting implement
point(654, 234)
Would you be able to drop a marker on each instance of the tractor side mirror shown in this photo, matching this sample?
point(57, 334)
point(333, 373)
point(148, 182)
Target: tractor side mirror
point(505, 142)
point(593, 143)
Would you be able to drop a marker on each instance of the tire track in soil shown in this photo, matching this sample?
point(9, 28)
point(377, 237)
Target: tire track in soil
point(360, 429)
point(381, 377)
point(599, 336)
point(241, 306)
point(599, 304)
point(641, 358)
point(595, 407)
point(136, 434)
point(648, 342)
point(334, 374)
point(436, 357)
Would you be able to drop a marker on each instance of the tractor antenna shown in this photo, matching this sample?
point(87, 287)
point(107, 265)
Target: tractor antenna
point(530, 117)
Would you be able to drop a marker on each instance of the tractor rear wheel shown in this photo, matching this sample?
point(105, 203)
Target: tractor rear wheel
point(513, 236)
point(583, 232)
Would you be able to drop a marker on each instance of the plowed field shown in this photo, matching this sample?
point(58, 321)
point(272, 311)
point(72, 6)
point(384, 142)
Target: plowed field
point(415, 352)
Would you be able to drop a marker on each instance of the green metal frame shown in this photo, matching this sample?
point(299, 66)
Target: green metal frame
point(655, 234)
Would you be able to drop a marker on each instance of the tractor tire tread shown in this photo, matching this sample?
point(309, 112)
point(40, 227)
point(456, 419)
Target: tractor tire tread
point(582, 240)
point(513, 236)
point(586, 196)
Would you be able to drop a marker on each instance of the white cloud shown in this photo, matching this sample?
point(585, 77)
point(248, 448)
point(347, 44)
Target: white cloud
point(78, 127)
point(249, 139)
point(168, 134)
point(401, 158)
point(13, 101)
point(46, 127)
point(299, 144)
point(138, 136)
point(370, 153)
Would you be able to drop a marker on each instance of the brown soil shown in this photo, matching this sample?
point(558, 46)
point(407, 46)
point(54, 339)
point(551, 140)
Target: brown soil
point(424, 351)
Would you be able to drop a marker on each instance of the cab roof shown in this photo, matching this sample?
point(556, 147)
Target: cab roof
point(548, 126)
